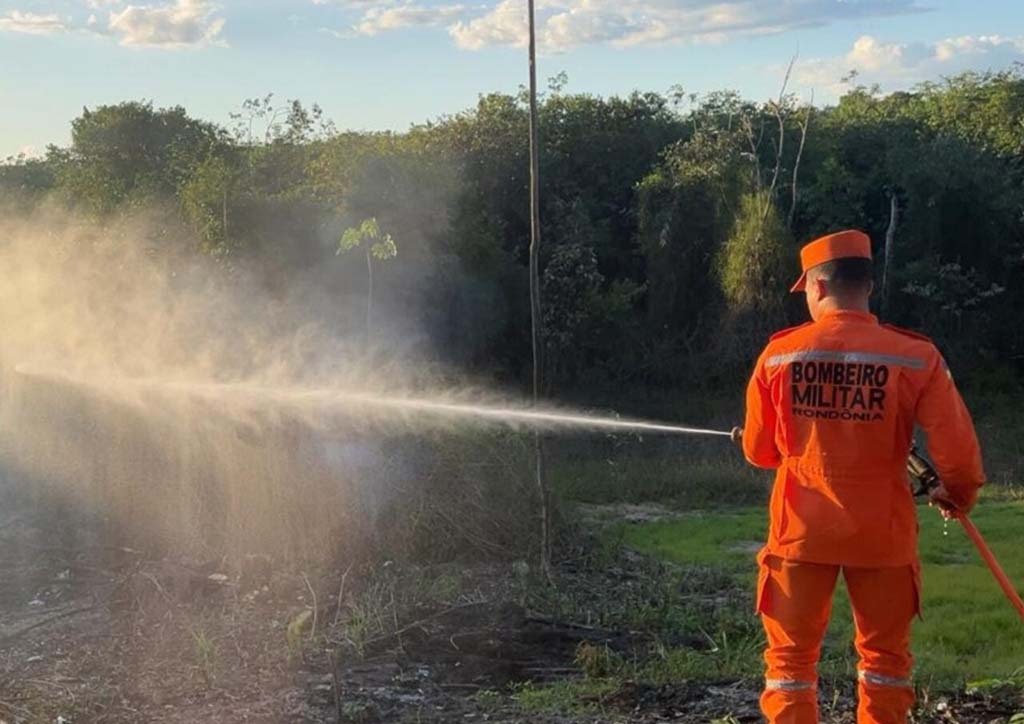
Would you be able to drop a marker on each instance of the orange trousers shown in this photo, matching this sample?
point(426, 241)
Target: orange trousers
point(795, 601)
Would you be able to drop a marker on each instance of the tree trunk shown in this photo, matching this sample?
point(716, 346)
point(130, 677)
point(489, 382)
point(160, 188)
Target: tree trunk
point(369, 296)
point(890, 240)
point(535, 308)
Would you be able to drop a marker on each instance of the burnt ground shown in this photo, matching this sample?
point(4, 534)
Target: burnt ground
point(91, 632)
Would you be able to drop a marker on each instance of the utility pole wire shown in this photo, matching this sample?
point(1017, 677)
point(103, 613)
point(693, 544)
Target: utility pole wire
point(535, 308)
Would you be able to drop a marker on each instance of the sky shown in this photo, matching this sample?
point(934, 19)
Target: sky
point(386, 64)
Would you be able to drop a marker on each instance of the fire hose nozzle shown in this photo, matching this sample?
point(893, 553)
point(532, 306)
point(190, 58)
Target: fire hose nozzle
point(927, 480)
point(922, 472)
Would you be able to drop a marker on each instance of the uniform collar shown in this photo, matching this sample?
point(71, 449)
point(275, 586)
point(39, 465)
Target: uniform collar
point(849, 315)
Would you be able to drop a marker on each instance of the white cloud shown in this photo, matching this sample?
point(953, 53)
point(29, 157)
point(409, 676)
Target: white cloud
point(900, 65)
point(32, 23)
point(381, 19)
point(181, 24)
point(565, 24)
point(505, 24)
point(354, 3)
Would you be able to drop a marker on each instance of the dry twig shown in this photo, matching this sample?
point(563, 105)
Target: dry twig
point(312, 628)
point(341, 593)
point(7, 639)
point(420, 622)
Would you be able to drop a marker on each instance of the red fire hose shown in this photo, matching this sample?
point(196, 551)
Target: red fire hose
point(922, 471)
point(992, 563)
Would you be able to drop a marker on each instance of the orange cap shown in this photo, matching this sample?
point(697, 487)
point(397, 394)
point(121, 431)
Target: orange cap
point(840, 245)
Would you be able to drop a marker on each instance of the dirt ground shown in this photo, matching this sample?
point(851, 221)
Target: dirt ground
point(95, 633)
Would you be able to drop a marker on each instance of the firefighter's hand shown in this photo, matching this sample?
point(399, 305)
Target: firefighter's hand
point(736, 435)
point(941, 498)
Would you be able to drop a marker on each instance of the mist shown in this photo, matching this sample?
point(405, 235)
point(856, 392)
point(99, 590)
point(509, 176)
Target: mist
point(113, 339)
point(206, 410)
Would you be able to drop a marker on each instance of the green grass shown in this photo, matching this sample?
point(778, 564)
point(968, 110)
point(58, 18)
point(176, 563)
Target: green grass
point(969, 631)
point(703, 538)
point(584, 696)
point(690, 482)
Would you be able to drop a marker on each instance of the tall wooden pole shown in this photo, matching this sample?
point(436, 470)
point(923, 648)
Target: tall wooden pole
point(535, 308)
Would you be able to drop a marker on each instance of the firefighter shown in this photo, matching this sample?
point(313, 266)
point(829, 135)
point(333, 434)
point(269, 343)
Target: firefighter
point(831, 406)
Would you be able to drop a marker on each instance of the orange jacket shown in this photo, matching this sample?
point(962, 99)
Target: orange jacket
point(832, 405)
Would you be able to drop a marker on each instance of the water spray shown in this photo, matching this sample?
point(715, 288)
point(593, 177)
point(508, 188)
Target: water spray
point(342, 401)
point(567, 419)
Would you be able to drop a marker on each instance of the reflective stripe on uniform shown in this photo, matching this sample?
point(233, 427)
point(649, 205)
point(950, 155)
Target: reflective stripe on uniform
point(870, 677)
point(820, 355)
point(788, 685)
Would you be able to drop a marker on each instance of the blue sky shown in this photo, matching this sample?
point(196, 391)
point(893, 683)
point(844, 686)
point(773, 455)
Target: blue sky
point(376, 64)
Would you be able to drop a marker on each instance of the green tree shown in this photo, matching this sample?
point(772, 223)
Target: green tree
point(368, 238)
point(755, 259)
point(685, 207)
point(206, 199)
point(571, 287)
point(24, 180)
point(132, 153)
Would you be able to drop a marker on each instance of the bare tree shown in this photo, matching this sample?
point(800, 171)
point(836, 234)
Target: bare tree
point(779, 109)
point(799, 155)
point(890, 243)
point(755, 148)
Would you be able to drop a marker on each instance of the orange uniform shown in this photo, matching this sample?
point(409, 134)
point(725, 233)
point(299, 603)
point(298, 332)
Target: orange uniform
point(832, 407)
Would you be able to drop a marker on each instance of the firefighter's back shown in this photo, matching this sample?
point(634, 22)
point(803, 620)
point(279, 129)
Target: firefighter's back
point(845, 391)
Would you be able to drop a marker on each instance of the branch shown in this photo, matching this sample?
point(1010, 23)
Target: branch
point(890, 241)
point(754, 146)
point(422, 621)
point(781, 120)
point(780, 116)
point(779, 109)
point(341, 592)
point(799, 155)
point(785, 80)
point(6, 640)
point(312, 628)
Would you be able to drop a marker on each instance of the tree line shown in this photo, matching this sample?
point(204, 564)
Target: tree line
point(671, 222)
